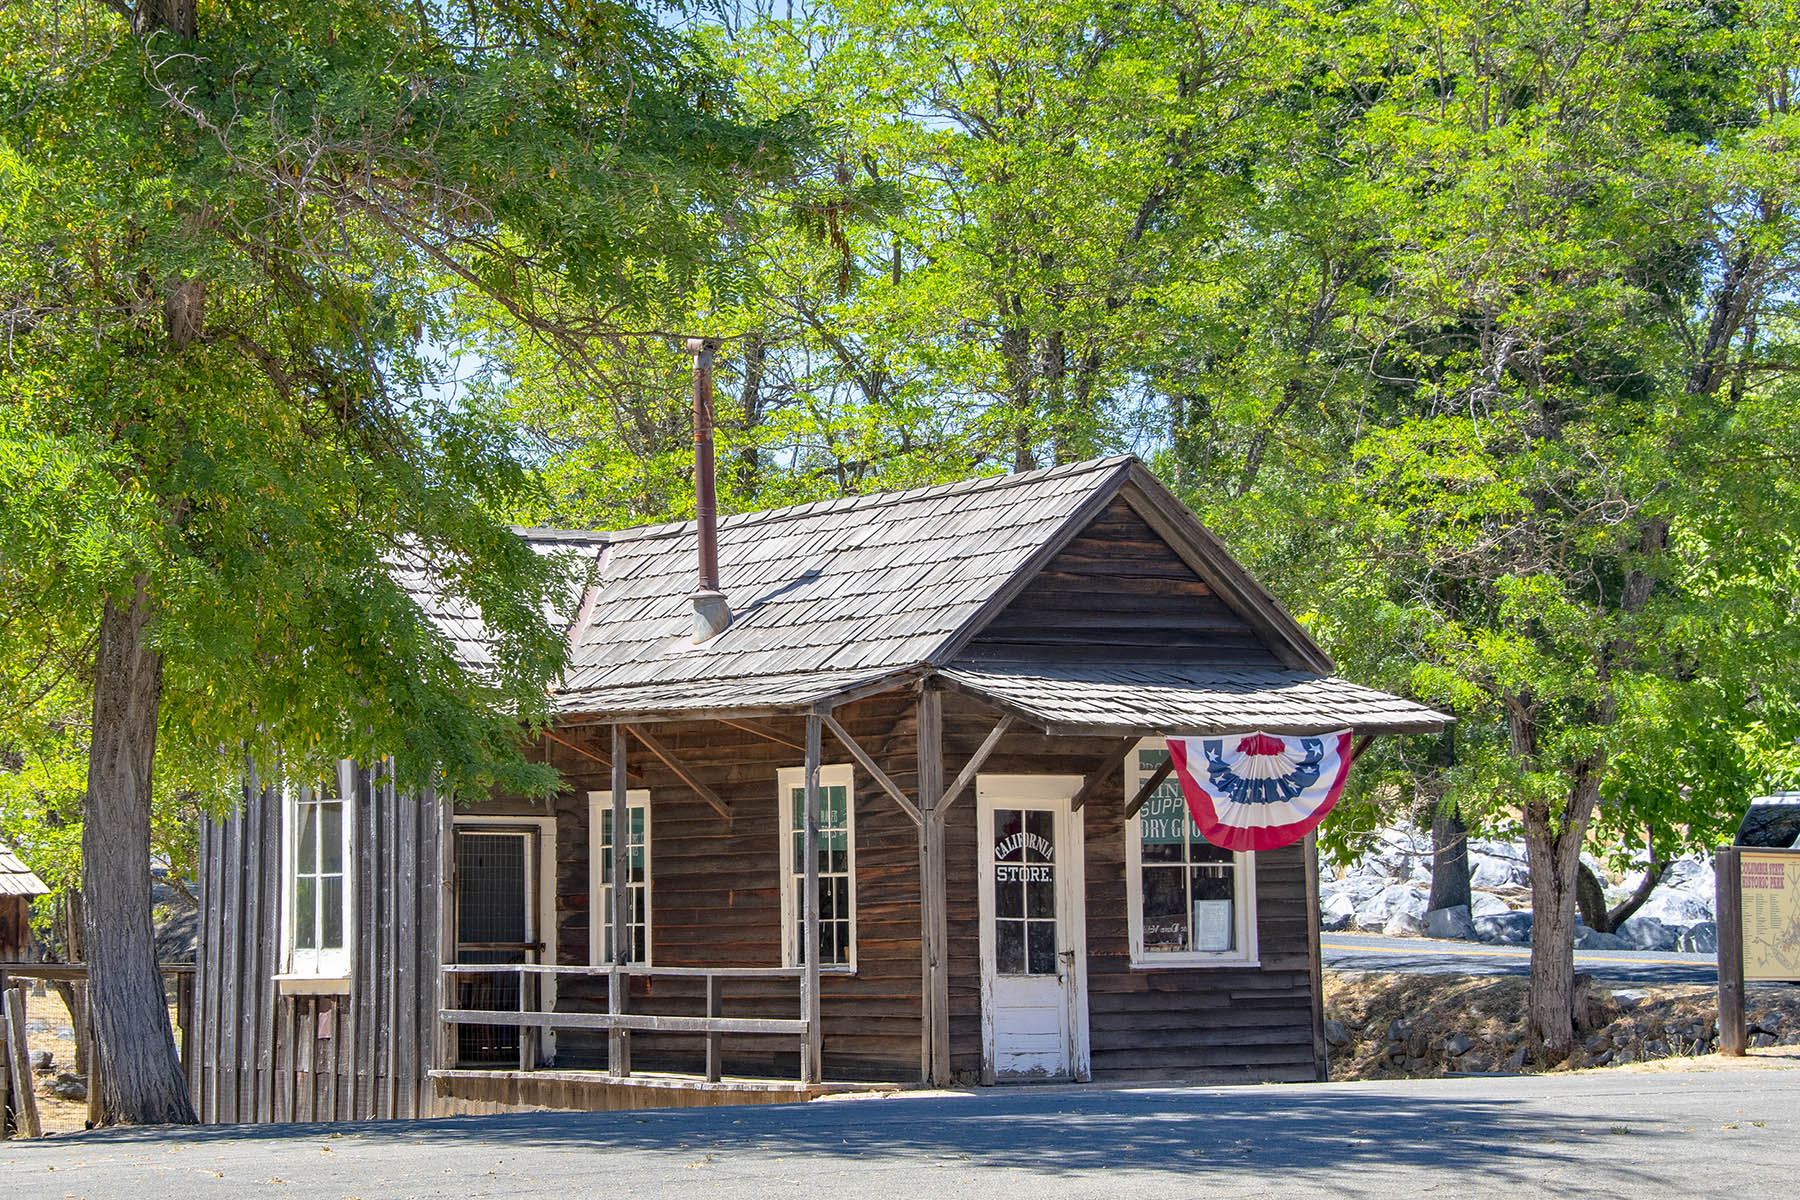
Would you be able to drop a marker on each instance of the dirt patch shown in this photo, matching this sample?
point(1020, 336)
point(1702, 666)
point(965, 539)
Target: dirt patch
point(47, 1028)
point(1388, 1026)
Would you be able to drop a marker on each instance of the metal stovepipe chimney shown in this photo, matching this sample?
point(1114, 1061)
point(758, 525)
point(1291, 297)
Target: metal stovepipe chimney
point(712, 613)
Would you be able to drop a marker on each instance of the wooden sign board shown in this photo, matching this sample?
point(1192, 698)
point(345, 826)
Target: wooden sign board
point(1758, 915)
point(1769, 890)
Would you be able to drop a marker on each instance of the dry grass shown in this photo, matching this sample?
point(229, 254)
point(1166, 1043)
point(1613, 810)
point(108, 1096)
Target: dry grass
point(1646, 1027)
point(48, 1028)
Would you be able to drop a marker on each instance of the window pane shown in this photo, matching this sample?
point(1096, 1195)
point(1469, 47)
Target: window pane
point(1009, 844)
point(1009, 894)
point(798, 809)
point(306, 935)
point(637, 826)
point(1214, 882)
point(1165, 909)
point(1040, 840)
point(331, 923)
point(1009, 947)
point(331, 839)
point(1041, 956)
point(1040, 893)
point(307, 861)
point(1201, 850)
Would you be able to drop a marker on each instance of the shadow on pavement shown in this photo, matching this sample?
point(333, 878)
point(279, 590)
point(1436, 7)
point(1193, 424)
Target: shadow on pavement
point(1187, 1133)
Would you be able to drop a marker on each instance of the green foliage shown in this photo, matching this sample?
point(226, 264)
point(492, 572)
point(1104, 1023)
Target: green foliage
point(232, 271)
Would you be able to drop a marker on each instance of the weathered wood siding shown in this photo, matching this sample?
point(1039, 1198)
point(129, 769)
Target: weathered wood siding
point(716, 897)
point(1119, 592)
point(1242, 1024)
point(715, 903)
point(262, 1056)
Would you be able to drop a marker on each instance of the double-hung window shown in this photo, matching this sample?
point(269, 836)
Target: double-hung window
point(637, 879)
point(1191, 903)
point(837, 867)
point(316, 823)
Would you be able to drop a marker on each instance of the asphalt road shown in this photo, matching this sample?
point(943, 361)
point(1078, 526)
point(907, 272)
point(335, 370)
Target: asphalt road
point(1371, 952)
point(1600, 1133)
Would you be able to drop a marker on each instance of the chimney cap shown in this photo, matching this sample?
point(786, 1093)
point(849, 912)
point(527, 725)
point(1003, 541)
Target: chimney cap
point(702, 345)
point(712, 614)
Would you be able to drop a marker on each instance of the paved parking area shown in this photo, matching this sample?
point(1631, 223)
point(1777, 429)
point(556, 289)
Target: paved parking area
point(1627, 1133)
point(1435, 956)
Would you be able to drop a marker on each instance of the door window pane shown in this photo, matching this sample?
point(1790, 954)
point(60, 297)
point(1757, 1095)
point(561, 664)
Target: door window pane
point(1024, 891)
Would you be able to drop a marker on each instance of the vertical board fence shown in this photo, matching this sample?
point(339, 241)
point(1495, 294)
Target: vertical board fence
point(270, 1049)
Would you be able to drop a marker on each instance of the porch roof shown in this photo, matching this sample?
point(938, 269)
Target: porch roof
point(741, 696)
point(17, 879)
point(1150, 698)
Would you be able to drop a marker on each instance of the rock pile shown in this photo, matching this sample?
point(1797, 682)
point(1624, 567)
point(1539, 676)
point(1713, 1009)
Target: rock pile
point(1380, 1028)
point(1387, 892)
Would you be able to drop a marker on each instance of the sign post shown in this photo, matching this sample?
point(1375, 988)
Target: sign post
point(1728, 915)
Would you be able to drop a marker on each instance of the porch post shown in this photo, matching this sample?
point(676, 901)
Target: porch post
point(619, 986)
point(934, 994)
point(811, 1052)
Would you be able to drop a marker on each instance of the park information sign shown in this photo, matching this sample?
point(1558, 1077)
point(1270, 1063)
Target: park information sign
point(1758, 910)
point(1770, 883)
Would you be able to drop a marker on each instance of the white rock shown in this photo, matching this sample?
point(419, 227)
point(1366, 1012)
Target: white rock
point(1405, 923)
point(1486, 904)
point(1648, 933)
point(1336, 912)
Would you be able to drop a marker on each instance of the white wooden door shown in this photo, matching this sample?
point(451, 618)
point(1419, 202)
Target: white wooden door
point(1033, 929)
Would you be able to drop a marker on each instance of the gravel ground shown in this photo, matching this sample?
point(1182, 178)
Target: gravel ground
point(1721, 1129)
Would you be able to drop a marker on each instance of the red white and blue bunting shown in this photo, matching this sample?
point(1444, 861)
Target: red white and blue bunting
point(1258, 791)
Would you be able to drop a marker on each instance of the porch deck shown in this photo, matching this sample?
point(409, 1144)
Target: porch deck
point(476, 1091)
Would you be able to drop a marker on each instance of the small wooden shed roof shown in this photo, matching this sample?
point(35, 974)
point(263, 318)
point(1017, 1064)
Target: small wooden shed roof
point(849, 596)
point(17, 879)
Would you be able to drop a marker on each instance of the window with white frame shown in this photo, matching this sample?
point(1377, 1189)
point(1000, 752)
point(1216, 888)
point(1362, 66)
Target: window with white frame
point(1191, 903)
point(637, 879)
point(837, 867)
point(316, 824)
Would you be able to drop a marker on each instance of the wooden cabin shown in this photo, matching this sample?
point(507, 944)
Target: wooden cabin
point(19, 886)
point(903, 820)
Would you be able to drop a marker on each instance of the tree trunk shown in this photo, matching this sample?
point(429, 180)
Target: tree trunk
point(1553, 846)
point(1550, 1002)
point(1449, 860)
point(1627, 908)
point(1590, 898)
point(141, 1079)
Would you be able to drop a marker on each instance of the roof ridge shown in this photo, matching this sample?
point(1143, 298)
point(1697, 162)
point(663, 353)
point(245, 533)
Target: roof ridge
point(878, 499)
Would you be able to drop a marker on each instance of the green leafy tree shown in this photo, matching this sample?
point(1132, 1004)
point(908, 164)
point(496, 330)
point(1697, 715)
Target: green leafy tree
point(1545, 500)
point(235, 243)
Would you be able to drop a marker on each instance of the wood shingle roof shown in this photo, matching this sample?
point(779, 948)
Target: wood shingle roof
point(851, 595)
point(17, 879)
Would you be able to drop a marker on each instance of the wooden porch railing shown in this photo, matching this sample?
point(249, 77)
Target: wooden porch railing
point(530, 1019)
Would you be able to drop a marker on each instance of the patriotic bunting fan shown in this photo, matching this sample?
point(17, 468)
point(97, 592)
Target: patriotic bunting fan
point(1257, 791)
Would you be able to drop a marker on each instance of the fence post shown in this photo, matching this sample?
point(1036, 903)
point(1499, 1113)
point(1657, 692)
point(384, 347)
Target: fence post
point(715, 1008)
point(19, 1060)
